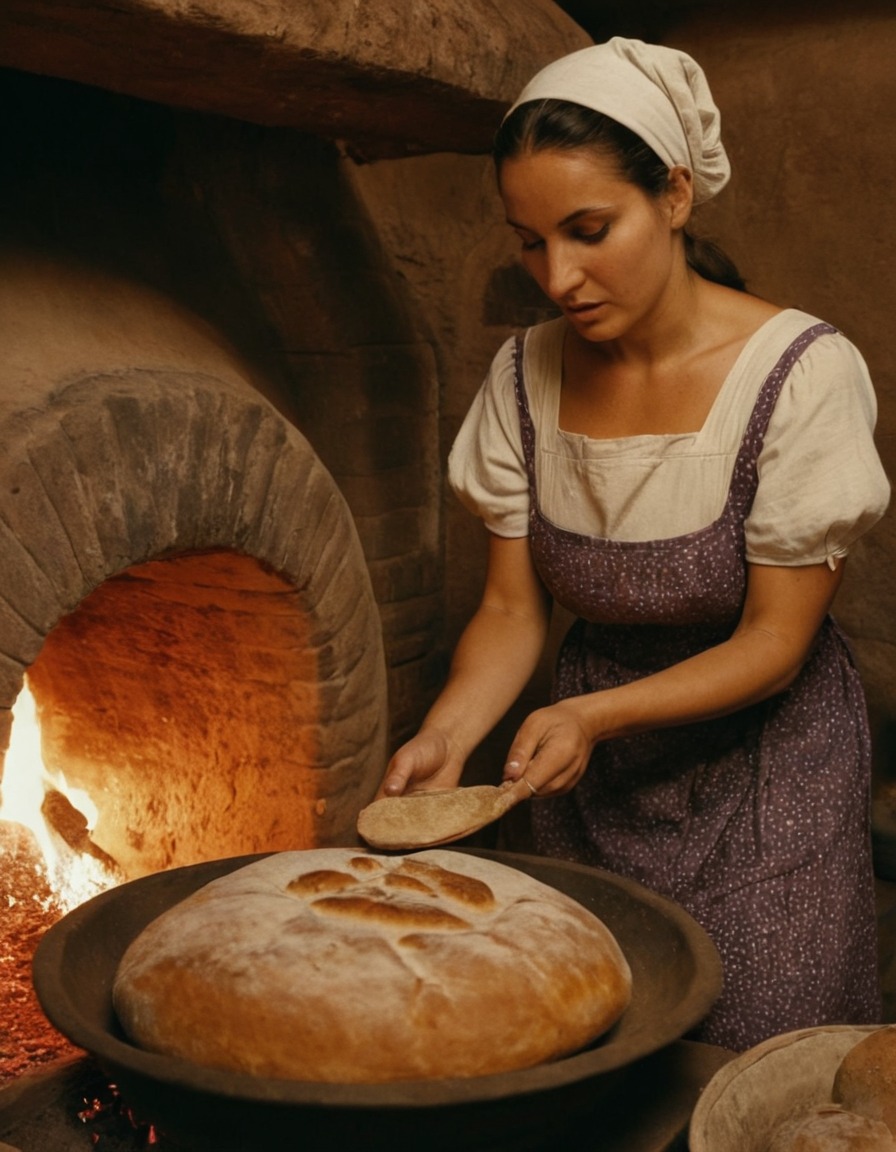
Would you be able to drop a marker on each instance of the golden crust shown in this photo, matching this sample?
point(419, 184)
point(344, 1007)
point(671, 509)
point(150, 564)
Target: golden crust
point(332, 966)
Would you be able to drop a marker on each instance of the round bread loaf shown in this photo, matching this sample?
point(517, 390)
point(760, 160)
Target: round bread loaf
point(827, 1128)
point(341, 966)
point(865, 1081)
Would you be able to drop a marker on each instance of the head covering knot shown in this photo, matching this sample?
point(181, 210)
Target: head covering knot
point(659, 93)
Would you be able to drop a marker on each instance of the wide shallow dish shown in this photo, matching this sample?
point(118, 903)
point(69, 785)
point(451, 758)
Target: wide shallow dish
point(676, 977)
point(784, 1077)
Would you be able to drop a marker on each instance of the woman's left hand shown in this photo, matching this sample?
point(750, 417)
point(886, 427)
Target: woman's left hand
point(551, 749)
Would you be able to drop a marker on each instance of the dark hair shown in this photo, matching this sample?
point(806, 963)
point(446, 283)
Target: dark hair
point(541, 124)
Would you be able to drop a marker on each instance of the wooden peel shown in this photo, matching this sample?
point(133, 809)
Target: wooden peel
point(425, 819)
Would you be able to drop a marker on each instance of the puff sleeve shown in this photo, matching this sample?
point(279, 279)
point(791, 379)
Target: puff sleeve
point(486, 468)
point(821, 482)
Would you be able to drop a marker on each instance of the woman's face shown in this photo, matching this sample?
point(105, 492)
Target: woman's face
point(601, 248)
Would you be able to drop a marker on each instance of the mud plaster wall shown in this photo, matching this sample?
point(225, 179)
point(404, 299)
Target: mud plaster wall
point(807, 98)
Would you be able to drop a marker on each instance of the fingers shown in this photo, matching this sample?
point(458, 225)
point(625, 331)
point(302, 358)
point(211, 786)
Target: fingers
point(543, 778)
point(517, 763)
point(524, 749)
point(520, 789)
point(549, 754)
point(522, 765)
point(396, 780)
point(400, 770)
point(421, 763)
point(519, 773)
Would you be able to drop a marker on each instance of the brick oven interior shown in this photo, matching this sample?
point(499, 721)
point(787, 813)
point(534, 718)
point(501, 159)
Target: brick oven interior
point(251, 285)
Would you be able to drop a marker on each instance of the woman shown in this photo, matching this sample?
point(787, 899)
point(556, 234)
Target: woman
point(684, 466)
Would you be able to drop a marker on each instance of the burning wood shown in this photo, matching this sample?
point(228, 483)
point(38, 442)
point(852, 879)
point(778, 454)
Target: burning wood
point(73, 829)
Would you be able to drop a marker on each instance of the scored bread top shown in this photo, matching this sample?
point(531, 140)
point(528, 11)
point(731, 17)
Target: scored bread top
point(343, 966)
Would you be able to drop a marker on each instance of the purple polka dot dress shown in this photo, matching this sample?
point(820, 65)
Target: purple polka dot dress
point(756, 823)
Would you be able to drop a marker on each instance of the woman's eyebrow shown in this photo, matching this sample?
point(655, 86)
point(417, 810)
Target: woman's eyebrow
point(580, 212)
point(570, 219)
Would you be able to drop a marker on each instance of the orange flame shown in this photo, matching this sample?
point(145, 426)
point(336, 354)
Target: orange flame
point(72, 876)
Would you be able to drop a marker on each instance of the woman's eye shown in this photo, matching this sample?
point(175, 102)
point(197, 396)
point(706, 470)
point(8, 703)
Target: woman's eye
point(593, 237)
point(530, 245)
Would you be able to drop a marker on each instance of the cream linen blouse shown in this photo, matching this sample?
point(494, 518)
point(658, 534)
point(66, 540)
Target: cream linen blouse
point(821, 483)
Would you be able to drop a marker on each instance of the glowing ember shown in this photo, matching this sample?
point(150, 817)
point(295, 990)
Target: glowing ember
point(73, 872)
point(108, 1110)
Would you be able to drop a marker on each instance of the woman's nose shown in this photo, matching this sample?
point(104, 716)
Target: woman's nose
point(563, 272)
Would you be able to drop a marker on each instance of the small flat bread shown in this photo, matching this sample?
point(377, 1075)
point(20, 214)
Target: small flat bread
point(426, 819)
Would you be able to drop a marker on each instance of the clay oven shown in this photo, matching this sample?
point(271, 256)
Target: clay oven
point(181, 579)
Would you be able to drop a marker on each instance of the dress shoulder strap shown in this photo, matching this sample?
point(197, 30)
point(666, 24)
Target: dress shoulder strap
point(745, 477)
point(527, 428)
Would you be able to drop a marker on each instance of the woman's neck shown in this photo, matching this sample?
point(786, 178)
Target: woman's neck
point(663, 377)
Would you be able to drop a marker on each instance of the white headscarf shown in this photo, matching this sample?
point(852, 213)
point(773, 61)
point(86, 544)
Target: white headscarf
point(660, 93)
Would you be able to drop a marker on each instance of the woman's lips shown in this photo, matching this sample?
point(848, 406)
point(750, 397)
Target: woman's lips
point(581, 311)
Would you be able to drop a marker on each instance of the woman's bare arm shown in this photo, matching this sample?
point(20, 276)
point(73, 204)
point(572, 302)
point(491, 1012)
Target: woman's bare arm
point(493, 661)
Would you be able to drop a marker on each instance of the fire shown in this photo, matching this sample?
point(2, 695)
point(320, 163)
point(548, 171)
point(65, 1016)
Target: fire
point(27, 785)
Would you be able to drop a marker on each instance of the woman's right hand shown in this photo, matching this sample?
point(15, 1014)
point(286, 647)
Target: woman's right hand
point(426, 762)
